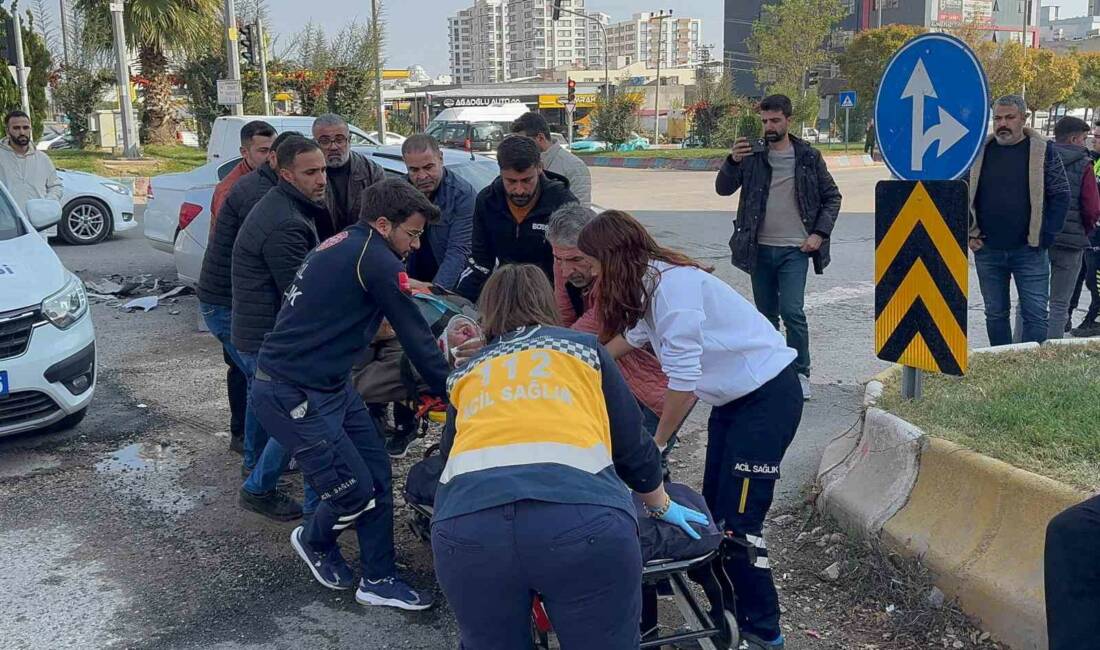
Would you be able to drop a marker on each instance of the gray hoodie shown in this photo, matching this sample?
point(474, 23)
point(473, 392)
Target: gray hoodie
point(28, 176)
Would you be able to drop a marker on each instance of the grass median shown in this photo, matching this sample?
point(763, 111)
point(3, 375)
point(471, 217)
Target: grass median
point(1038, 410)
point(166, 159)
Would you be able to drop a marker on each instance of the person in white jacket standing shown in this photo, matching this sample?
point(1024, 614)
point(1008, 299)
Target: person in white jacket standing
point(25, 171)
point(714, 345)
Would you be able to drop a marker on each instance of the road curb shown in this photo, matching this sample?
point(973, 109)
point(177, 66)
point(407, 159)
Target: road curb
point(977, 523)
point(707, 164)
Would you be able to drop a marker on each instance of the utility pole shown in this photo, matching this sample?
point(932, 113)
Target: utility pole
point(660, 18)
point(64, 32)
point(263, 64)
point(1024, 43)
point(118, 29)
point(376, 31)
point(232, 50)
point(20, 66)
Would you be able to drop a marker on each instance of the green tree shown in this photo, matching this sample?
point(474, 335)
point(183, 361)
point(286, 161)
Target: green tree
point(1053, 78)
point(77, 92)
point(37, 58)
point(161, 32)
point(1005, 65)
point(863, 63)
point(1087, 92)
point(614, 119)
point(789, 40)
point(199, 76)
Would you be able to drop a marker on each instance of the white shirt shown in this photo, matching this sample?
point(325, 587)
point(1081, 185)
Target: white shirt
point(709, 339)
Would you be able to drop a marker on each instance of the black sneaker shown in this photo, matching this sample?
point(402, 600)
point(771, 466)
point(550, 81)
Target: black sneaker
point(236, 444)
point(397, 445)
point(274, 505)
point(330, 569)
point(1086, 330)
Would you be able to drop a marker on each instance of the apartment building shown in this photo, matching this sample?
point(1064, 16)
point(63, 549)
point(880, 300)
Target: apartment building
point(678, 39)
point(477, 43)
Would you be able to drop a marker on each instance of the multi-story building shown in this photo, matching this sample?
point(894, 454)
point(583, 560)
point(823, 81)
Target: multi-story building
point(677, 38)
point(477, 43)
point(1004, 20)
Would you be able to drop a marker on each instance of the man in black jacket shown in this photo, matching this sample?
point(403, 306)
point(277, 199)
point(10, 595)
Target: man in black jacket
point(789, 204)
point(273, 240)
point(349, 172)
point(304, 396)
point(512, 215)
point(214, 301)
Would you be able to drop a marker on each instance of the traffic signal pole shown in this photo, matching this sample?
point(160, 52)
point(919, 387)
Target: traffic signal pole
point(232, 51)
point(20, 65)
point(262, 47)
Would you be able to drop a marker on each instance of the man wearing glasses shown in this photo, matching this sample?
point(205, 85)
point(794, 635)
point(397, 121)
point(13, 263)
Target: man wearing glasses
point(349, 172)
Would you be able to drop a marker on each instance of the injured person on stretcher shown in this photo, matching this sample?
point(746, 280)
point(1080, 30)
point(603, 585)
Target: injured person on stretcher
point(529, 497)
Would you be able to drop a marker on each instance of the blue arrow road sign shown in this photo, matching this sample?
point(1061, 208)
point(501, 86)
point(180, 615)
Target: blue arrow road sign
point(847, 99)
point(932, 109)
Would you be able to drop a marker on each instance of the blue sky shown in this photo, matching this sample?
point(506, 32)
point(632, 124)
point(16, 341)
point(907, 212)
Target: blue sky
point(417, 29)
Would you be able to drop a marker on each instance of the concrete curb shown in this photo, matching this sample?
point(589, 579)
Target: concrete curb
point(977, 523)
point(706, 164)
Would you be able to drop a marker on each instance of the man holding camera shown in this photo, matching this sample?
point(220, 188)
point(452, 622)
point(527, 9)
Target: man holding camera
point(788, 206)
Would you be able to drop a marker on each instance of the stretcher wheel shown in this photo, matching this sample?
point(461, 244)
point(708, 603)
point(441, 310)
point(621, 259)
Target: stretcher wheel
point(730, 630)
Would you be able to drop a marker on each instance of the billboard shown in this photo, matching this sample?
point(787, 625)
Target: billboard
point(965, 11)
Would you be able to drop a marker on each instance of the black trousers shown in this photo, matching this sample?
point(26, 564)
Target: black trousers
point(1090, 270)
point(1073, 577)
point(746, 441)
point(237, 388)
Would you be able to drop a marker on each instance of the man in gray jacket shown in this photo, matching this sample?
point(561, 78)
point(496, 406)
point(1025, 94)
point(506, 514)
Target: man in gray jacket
point(349, 172)
point(25, 171)
point(554, 158)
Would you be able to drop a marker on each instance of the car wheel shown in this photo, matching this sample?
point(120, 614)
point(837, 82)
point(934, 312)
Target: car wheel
point(69, 421)
point(85, 221)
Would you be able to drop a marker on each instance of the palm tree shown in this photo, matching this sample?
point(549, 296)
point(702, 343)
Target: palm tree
point(158, 30)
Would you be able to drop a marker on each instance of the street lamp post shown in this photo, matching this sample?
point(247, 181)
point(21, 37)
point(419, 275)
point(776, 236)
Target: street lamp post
point(603, 34)
point(660, 18)
point(376, 36)
point(118, 30)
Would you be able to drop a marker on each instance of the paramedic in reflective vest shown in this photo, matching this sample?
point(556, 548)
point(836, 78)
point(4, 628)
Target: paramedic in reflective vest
point(713, 344)
point(303, 395)
point(532, 498)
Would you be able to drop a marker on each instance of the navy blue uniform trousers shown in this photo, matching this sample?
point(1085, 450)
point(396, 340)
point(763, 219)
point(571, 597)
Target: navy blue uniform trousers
point(333, 437)
point(1072, 577)
point(584, 560)
point(746, 441)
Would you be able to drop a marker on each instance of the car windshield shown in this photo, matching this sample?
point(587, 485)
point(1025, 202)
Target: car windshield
point(478, 173)
point(488, 131)
point(11, 226)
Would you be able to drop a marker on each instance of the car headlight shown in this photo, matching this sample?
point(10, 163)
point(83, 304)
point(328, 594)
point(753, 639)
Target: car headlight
point(66, 306)
point(117, 188)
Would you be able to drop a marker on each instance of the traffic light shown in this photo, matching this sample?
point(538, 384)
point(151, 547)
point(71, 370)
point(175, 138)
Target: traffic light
point(572, 91)
point(7, 45)
point(247, 44)
point(557, 10)
point(811, 78)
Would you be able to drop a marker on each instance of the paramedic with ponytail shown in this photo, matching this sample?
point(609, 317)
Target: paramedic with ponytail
point(712, 343)
point(532, 498)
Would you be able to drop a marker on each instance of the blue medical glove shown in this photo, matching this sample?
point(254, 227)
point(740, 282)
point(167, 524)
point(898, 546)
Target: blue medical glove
point(682, 516)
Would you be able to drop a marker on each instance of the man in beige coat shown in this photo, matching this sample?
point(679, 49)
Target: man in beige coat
point(556, 159)
point(25, 171)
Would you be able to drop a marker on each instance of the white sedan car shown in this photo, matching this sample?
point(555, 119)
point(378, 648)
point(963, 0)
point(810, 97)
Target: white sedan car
point(92, 208)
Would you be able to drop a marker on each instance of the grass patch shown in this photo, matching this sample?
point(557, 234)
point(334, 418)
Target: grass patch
point(168, 159)
point(1037, 410)
point(690, 154)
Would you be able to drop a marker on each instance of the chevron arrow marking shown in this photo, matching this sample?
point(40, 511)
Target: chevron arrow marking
point(920, 208)
point(918, 284)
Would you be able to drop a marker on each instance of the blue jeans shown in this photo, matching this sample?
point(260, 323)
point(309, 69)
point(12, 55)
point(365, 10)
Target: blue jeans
point(1030, 268)
point(584, 560)
point(343, 459)
point(255, 438)
point(779, 290)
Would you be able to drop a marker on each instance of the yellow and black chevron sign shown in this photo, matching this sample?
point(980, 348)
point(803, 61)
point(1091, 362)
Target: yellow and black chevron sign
point(921, 274)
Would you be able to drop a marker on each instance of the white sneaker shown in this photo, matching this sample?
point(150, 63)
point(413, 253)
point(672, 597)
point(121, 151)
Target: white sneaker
point(805, 381)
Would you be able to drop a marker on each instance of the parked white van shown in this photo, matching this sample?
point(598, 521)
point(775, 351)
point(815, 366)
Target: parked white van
point(47, 342)
point(225, 134)
point(475, 128)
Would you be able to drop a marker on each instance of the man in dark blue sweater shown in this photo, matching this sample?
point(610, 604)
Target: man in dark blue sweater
point(303, 395)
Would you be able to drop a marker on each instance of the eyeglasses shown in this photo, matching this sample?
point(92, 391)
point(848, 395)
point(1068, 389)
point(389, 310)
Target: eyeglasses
point(413, 234)
point(338, 140)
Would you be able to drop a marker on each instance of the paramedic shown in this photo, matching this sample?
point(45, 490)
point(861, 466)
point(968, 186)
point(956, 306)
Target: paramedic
point(304, 398)
point(525, 504)
point(712, 344)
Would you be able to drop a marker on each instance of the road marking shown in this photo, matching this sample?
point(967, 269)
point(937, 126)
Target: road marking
point(854, 291)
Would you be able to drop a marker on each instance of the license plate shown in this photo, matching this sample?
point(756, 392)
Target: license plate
point(3, 383)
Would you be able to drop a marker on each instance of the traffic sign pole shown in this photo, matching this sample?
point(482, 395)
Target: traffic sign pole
point(912, 382)
point(847, 114)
